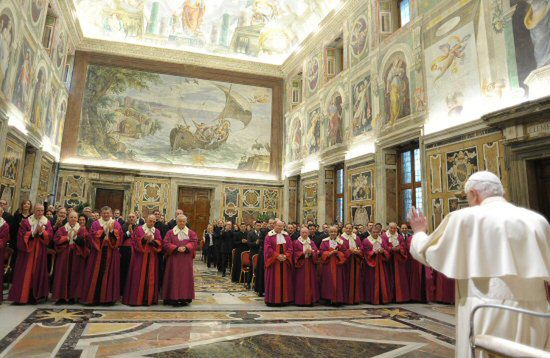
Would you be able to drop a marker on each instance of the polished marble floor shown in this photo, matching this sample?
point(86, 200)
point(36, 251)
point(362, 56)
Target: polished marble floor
point(226, 321)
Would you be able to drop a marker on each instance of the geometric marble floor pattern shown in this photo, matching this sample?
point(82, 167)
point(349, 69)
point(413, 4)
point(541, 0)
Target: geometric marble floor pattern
point(226, 321)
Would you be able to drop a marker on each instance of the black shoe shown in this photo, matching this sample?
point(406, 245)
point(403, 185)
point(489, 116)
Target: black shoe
point(60, 302)
point(223, 274)
point(72, 301)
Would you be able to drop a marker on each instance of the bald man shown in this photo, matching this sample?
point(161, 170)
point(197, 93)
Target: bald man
point(31, 279)
point(180, 245)
point(278, 257)
point(497, 253)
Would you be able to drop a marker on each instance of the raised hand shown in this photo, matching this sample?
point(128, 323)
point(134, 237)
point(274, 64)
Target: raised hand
point(417, 220)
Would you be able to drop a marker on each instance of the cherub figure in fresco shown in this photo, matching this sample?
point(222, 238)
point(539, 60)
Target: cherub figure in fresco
point(264, 11)
point(453, 52)
point(192, 15)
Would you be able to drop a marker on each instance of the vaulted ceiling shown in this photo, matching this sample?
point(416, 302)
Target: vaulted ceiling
point(262, 31)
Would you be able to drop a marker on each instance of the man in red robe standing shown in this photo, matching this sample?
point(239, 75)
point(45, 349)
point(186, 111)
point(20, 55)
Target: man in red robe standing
point(103, 268)
point(415, 270)
point(354, 269)
point(4, 239)
point(399, 280)
point(278, 255)
point(70, 260)
point(180, 245)
point(306, 290)
point(30, 279)
point(377, 253)
point(333, 252)
point(143, 277)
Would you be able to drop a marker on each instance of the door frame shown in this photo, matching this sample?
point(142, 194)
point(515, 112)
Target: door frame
point(211, 198)
point(215, 187)
point(100, 184)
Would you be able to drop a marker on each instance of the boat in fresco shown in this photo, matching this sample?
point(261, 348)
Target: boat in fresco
point(212, 137)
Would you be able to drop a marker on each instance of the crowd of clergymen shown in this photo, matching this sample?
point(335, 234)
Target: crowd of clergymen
point(100, 258)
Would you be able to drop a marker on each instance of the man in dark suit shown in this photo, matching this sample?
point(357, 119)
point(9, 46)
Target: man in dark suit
point(253, 237)
point(117, 217)
point(226, 246)
point(172, 223)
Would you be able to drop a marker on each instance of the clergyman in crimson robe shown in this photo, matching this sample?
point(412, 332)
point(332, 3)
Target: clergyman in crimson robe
point(143, 276)
point(279, 288)
point(306, 289)
point(377, 253)
point(354, 268)
point(399, 280)
point(180, 245)
point(102, 275)
point(70, 260)
point(333, 252)
point(31, 279)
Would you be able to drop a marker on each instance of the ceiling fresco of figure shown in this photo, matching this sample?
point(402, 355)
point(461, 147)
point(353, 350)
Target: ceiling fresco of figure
point(259, 30)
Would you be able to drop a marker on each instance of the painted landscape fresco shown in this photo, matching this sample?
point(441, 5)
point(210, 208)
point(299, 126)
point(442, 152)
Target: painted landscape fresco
point(139, 116)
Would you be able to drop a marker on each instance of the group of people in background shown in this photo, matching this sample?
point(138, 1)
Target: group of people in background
point(337, 265)
point(99, 257)
point(81, 258)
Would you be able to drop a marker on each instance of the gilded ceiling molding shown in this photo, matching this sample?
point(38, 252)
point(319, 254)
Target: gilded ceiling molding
point(331, 25)
point(178, 56)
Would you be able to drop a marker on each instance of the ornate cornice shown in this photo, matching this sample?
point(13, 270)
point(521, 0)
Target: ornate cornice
point(179, 57)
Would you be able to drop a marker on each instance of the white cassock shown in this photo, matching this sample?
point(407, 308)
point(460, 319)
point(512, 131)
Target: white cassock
point(500, 254)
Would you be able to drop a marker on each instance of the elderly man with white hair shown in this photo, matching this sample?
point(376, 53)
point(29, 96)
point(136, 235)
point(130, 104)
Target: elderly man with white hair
point(180, 245)
point(499, 254)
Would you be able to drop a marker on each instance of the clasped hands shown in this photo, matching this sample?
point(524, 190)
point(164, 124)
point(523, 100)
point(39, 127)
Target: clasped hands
point(182, 249)
point(281, 257)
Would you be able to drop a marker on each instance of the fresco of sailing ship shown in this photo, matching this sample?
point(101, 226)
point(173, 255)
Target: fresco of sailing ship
point(190, 121)
point(213, 136)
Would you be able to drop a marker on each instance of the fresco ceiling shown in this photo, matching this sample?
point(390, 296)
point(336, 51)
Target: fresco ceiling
point(265, 31)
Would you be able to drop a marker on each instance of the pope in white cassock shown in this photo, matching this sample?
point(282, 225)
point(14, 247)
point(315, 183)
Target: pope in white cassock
point(499, 254)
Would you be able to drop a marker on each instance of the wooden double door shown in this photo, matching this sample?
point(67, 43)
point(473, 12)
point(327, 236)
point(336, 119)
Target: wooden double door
point(195, 203)
point(109, 197)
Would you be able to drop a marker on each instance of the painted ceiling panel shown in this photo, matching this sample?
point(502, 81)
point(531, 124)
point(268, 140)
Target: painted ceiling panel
point(258, 30)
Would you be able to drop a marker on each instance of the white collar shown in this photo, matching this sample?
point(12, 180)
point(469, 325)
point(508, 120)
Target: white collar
point(493, 199)
point(373, 240)
point(272, 233)
point(176, 230)
point(349, 237)
point(104, 224)
point(338, 240)
point(2, 221)
point(32, 220)
point(306, 241)
point(75, 228)
point(148, 230)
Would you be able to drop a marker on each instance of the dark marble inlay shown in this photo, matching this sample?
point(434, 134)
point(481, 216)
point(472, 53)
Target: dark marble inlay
point(273, 345)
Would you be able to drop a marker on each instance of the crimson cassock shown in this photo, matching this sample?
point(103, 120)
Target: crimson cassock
point(417, 277)
point(399, 277)
point(102, 277)
point(279, 288)
point(306, 289)
point(178, 283)
point(439, 288)
point(70, 262)
point(333, 259)
point(143, 277)
point(30, 278)
point(376, 281)
point(354, 289)
point(4, 239)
